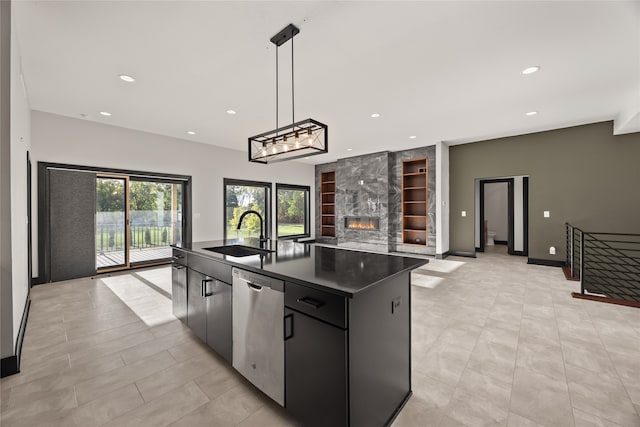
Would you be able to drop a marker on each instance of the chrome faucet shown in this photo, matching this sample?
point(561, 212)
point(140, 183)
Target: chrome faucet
point(262, 239)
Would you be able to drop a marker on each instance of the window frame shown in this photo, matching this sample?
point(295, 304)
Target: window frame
point(307, 210)
point(247, 183)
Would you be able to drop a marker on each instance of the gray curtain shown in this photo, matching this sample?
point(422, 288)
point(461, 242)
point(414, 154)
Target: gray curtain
point(72, 206)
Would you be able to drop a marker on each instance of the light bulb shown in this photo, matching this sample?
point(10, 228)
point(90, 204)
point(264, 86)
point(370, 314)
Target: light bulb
point(273, 150)
point(310, 138)
point(285, 147)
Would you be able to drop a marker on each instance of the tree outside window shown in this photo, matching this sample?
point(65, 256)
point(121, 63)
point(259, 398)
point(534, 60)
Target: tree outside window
point(292, 210)
point(241, 196)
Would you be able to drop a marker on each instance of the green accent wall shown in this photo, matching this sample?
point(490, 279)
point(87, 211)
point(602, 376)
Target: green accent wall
point(583, 175)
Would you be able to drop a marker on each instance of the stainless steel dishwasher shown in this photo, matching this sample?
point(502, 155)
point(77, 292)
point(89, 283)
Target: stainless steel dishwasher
point(258, 336)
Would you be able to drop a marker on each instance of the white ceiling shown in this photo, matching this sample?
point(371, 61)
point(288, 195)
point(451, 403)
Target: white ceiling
point(443, 71)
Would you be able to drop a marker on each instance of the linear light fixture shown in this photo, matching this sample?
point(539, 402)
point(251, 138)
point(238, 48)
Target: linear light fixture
point(299, 139)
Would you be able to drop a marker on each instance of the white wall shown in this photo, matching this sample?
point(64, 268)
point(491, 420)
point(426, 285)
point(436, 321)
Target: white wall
point(62, 139)
point(16, 289)
point(442, 198)
point(20, 144)
point(496, 209)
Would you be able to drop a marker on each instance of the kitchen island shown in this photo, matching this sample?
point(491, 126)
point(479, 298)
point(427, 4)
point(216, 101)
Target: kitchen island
point(339, 352)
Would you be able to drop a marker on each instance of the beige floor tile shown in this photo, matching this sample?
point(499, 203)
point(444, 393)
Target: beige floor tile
point(587, 420)
point(219, 381)
point(516, 420)
point(230, 408)
point(117, 378)
point(541, 399)
point(589, 356)
point(64, 379)
point(61, 399)
point(444, 362)
point(417, 413)
point(270, 415)
point(537, 356)
point(493, 359)
point(149, 347)
point(163, 410)
point(601, 395)
point(173, 377)
point(430, 391)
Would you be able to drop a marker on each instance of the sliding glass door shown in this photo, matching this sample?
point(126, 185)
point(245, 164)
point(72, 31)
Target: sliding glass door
point(136, 220)
point(156, 219)
point(112, 216)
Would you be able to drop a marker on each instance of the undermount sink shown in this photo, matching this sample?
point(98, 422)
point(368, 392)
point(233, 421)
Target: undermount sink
point(238, 250)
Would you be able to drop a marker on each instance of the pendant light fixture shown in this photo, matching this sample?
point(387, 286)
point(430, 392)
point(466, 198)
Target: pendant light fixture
point(299, 139)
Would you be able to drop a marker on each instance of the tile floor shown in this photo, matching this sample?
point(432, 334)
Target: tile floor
point(495, 342)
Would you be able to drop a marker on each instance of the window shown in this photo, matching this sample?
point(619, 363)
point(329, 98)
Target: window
point(292, 211)
point(241, 196)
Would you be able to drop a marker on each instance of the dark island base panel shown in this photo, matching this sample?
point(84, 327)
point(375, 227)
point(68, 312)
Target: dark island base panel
point(347, 354)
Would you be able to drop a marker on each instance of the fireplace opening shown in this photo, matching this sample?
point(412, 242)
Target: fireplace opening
point(362, 223)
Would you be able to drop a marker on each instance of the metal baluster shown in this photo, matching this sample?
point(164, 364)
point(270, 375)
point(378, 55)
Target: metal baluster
point(581, 262)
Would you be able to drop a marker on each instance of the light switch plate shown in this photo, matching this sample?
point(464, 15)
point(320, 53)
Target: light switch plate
point(546, 214)
point(552, 250)
point(464, 213)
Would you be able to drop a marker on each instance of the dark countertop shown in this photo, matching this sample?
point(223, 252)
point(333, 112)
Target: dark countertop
point(341, 271)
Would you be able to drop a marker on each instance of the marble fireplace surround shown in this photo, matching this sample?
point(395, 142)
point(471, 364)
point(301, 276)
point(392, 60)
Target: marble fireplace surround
point(370, 186)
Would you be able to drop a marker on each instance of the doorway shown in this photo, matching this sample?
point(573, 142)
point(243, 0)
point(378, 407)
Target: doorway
point(502, 213)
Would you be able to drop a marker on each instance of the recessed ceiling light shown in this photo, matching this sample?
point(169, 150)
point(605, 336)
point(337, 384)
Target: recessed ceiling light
point(190, 132)
point(105, 113)
point(306, 158)
point(531, 113)
point(412, 137)
point(530, 70)
point(231, 112)
point(374, 115)
point(349, 149)
point(126, 78)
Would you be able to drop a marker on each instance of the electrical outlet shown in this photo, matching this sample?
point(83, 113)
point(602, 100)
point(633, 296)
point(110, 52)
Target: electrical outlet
point(552, 250)
point(464, 213)
point(395, 304)
point(546, 214)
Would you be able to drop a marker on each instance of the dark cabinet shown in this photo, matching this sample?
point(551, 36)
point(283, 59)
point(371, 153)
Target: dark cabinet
point(197, 304)
point(179, 291)
point(315, 371)
point(209, 304)
point(179, 284)
point(219, 332)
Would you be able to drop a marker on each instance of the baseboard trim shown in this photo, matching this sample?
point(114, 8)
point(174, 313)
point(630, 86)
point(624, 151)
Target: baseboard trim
point(501, 242)
point(463, 254)
point(11, 365)
point(37, 281)
point(546, 262)
point(519, 253)
point(443, 255)
point(606, 299)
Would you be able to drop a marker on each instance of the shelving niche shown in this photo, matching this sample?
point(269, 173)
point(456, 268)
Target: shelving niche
point(328, 204)
point(414, 201)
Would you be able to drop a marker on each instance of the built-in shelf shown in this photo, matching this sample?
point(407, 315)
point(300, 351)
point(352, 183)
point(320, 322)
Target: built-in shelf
point(327, 203)
point(414, 201)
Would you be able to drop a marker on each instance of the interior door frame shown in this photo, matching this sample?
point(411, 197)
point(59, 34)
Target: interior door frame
point(510, 214)
point(127, 225)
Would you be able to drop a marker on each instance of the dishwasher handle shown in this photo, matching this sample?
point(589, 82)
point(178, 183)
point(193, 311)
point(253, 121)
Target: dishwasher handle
point(254, 287)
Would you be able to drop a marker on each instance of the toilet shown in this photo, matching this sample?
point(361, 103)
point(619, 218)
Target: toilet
point(490, 238)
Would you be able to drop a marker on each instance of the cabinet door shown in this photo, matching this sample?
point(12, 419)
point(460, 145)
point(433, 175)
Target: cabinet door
point(179, 291)
point(316, 371)
point(196, 305)
point(219, 332)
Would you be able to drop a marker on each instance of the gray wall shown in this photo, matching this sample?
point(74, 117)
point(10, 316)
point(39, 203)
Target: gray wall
point(583, 175)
